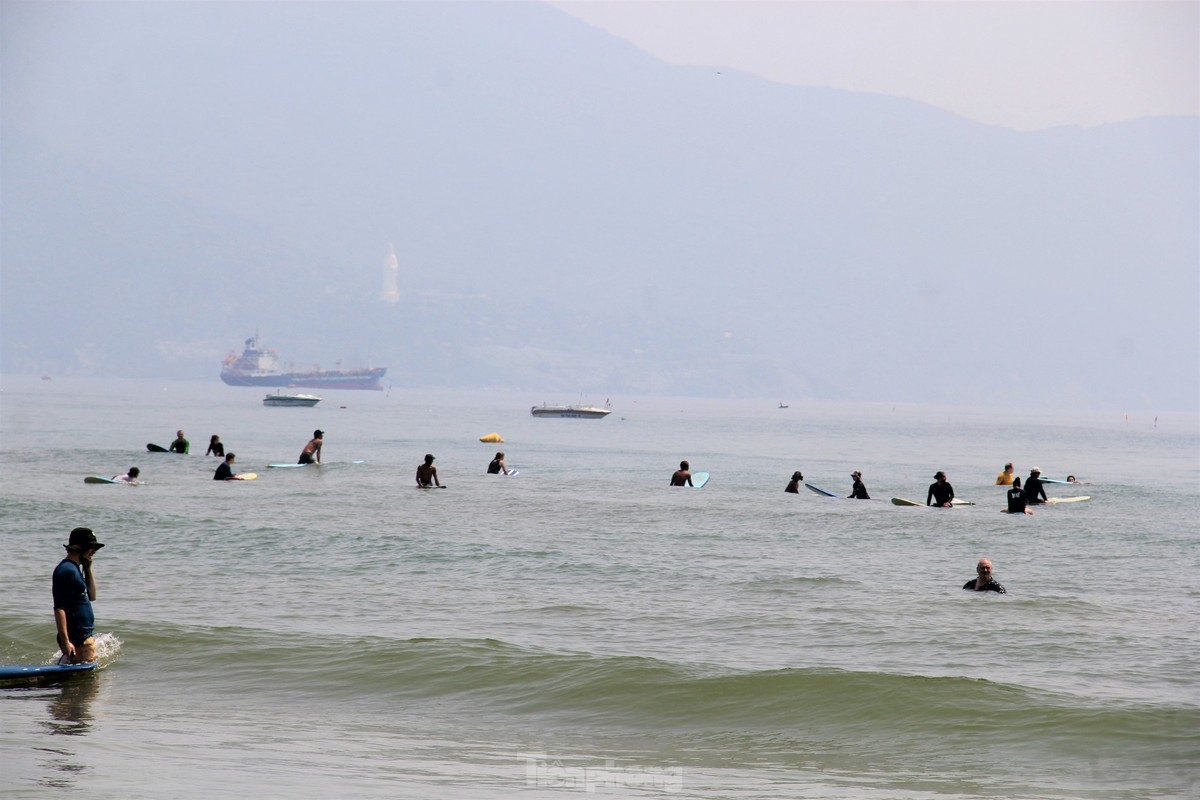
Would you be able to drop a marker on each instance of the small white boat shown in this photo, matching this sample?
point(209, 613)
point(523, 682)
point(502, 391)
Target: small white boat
point(306, 400)
point(580, 412)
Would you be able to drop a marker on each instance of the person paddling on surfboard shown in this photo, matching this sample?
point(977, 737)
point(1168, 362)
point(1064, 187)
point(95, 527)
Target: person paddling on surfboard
point(74, 587)
point(859, 490)
point(427, 473)
point(180, 445)
point(225, 469)
point(941, 491)
point(793, 486)
point(129, 477)
point(682, 476)
point(311, 454)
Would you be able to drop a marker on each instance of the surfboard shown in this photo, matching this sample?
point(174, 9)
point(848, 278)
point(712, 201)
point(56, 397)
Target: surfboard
point(157, 448)
point(17, 674)
point(513, 472)
point(443, 486)
point(248, 476)
point(1053, 501)
point(288, 466)
point(819, 490)
point(1053, 480)
point(900, 501)
point(95, 479)
point(699, 479)
point(957, 502)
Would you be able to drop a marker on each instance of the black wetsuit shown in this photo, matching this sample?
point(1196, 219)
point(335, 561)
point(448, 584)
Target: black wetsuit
point(1016, 501)
point(859, 492)
point(941, 492)
point(1034, 490)
point(990, 586)
point(494, 467)
point(224, 472)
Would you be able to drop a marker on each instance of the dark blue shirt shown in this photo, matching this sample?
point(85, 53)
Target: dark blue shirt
point(70, 594)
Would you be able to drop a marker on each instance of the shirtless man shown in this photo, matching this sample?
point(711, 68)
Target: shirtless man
point(682, 476)
point(427, 473)
point(312, 451)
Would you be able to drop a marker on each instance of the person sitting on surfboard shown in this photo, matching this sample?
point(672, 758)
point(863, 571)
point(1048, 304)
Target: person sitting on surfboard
point(74, 587)
point(427, 473)
point(984, 582)
point(1016, 499)
point(859, 490)
point(1035, 493)
point(941, 491)
point(225, 469)
point(497, 465)
point(215, 448)
point(793, 486)
point(682, 476)
point(129, 477)
point(1005, 478)
point(180, 445)
point(311, 454)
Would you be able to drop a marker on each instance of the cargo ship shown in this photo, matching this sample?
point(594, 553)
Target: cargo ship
point(256, 366)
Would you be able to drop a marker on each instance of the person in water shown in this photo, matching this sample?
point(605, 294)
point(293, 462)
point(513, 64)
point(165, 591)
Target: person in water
point(1005, 478)
point(215, 448)
point(859, 490)
point(682, 476)
point(180, 445)
point(1016, 499)
point(311, 454)
point(793, 485)
point(225, 470)
point(984, 582)
point(940, 491)
point(497, 466)
point(427, 473)
point(129, 477)
point(74, 587)
point(1035, 492)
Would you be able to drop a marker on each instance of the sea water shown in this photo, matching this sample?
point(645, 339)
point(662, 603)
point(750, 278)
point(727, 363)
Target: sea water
point(582, 628)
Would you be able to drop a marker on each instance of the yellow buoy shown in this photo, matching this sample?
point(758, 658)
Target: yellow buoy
point(492, 437)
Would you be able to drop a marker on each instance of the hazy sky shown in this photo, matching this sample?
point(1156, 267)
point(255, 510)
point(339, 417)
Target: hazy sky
point(1023, 65)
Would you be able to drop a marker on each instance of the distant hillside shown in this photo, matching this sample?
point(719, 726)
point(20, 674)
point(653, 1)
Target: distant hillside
point(567, 212)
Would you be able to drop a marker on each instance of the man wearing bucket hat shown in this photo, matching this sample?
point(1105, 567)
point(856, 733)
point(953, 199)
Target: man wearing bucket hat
point(1035, 493)
point(74, 587)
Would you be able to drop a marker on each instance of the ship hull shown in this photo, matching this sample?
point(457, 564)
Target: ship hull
point(361, 379)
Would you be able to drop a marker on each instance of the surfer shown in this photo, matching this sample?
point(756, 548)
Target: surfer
point(180, 445)
point(1005, 478)
point(215, 448)
point(129, 477)
point(859, 490)
point(427, 473)
point(225, 469)
point(682, 476)
point(497, 465)
point(793, 485)
point(1035, 492)
point(311, 454)
point(74, 587)
point(1016, 499)
point(941, 491)
point(984, 582)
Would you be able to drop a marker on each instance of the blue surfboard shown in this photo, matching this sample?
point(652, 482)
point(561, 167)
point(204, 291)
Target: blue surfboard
point(21, 674)
point(699, 479)
point(287, 466)
point(819, 490)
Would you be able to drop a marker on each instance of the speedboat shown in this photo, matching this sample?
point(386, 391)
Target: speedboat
point(306, 400)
